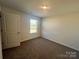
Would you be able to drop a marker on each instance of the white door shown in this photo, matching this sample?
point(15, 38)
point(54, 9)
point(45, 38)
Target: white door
point(12, 30)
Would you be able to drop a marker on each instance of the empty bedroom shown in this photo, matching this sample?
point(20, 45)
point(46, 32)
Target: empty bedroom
point(39, 29)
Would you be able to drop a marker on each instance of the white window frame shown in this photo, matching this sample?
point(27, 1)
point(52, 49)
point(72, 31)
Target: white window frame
point(32, 29)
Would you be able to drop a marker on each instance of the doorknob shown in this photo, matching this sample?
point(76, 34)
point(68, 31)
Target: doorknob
point(18, 32)
point(1, 30)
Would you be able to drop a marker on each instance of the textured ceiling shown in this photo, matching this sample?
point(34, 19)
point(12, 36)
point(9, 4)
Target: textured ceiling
point(57, 7)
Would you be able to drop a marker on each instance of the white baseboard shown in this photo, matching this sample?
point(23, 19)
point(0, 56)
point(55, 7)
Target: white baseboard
point(63, 44)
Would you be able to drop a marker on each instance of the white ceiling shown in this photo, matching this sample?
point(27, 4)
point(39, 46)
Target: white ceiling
point(33, 6)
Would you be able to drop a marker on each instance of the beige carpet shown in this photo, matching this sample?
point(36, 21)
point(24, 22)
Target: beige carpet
point(40, 49)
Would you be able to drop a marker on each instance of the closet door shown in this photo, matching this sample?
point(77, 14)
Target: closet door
point(12, 30)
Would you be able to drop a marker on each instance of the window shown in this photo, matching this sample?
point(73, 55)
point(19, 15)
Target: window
point(33, 26)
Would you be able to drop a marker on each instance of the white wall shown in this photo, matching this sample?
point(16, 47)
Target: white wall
point(62, 29)
point(25, 27)
point(0, 40)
